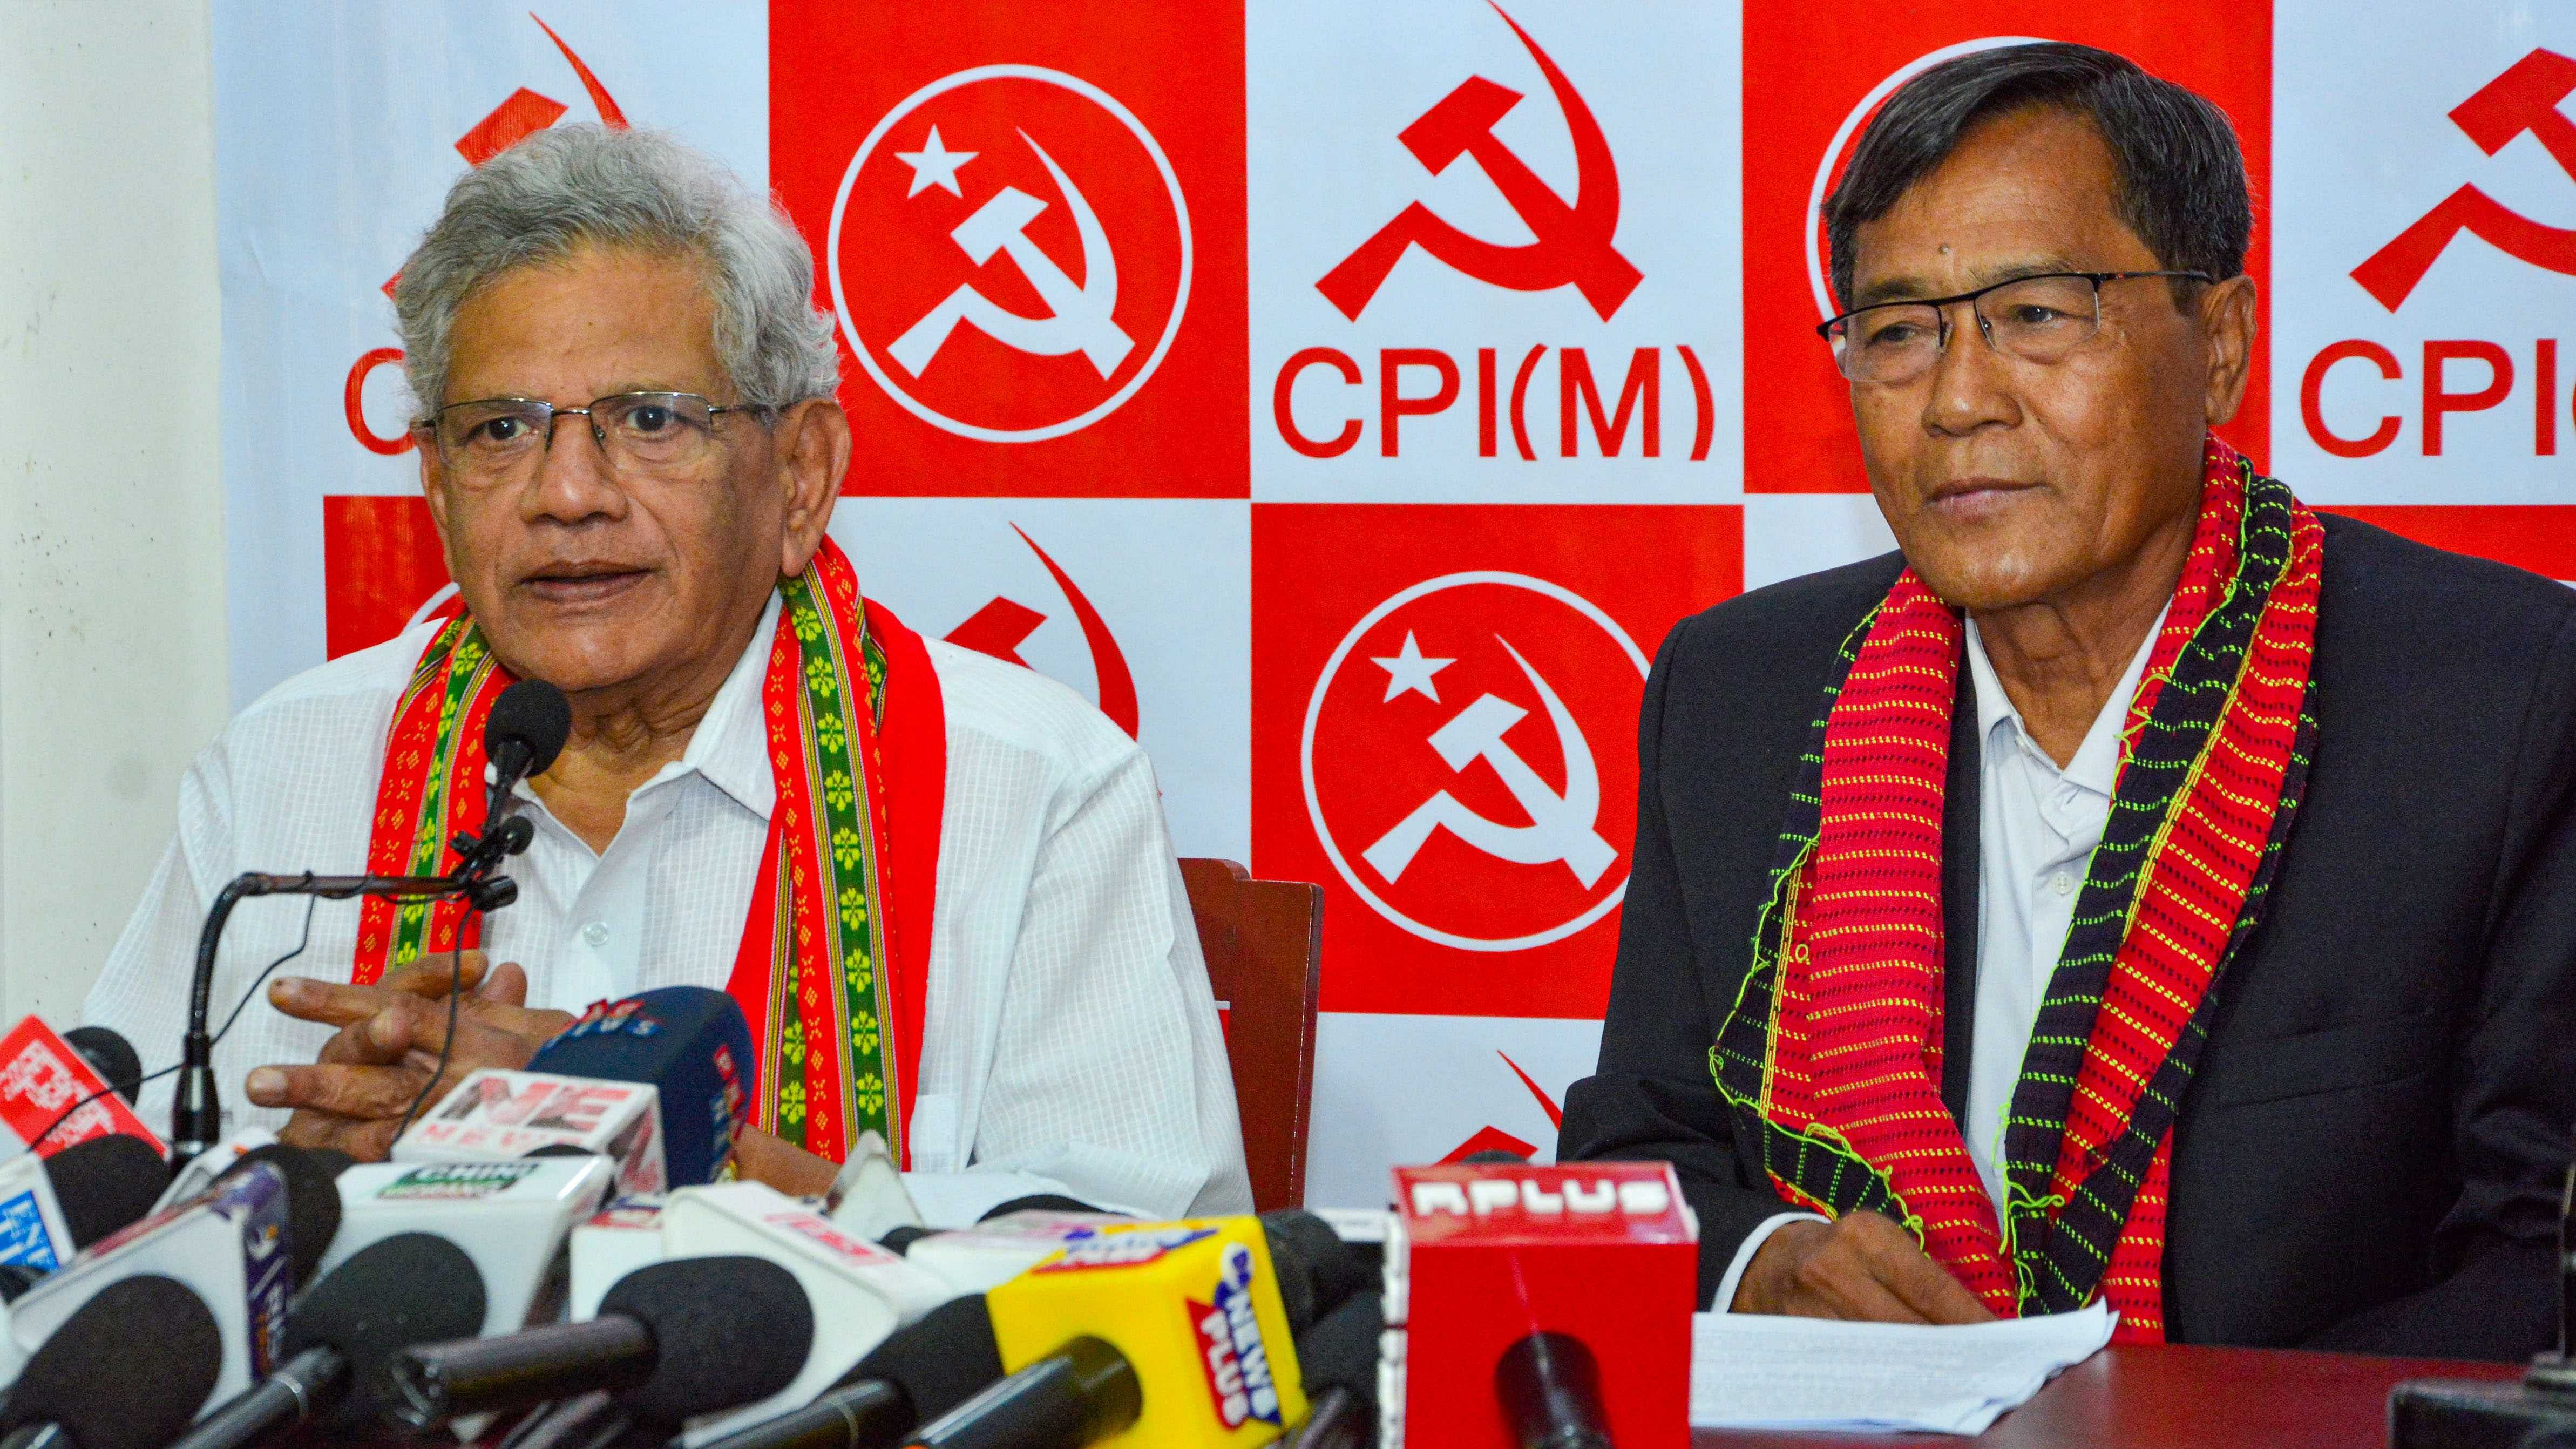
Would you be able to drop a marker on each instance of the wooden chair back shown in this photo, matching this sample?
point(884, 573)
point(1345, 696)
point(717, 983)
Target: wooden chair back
point(1264, 940)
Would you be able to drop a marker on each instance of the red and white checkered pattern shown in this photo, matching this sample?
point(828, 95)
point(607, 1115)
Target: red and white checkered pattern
point(1343, 394)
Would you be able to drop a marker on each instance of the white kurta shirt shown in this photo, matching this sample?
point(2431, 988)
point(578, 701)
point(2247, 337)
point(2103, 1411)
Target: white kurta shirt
point(2037, 827)
point(1071, 1042)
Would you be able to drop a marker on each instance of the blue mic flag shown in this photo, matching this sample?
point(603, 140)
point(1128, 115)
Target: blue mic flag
point(694, 1048)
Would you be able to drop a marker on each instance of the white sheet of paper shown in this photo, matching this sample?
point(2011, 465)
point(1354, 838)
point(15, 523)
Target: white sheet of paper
point(1758, 1371)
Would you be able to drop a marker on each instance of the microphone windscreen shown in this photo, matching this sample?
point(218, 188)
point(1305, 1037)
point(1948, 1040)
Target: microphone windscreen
point(692, 1045)
point(940, 1360)
point(901, 1239)
point(1341, 1350)
point(536, 716)
point(1549, 1387)
point(111, 1054)
point(1042, 1202)
point(1317, 1271)
point(408, 1289)
point(105, 1184)
point(312, 1199)
point(128, 1371)
point(726, 1330)
point(331, 1160)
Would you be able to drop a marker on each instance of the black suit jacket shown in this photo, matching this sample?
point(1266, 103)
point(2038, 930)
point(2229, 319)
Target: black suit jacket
point(2371, 1155)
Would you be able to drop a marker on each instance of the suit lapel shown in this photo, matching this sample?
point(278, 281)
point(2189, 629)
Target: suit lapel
point(1959, 859)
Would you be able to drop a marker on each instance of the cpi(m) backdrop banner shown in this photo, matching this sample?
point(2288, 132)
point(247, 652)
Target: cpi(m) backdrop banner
point(1349, 396)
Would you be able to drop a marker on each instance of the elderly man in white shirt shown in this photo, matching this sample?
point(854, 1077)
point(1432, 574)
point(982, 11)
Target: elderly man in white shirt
point(666, 565)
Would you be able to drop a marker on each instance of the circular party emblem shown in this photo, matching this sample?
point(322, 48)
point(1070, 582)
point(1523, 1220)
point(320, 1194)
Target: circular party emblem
point(1467, 760)
point(1010, 254)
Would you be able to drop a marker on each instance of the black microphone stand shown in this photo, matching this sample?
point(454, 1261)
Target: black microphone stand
point(196, 1117)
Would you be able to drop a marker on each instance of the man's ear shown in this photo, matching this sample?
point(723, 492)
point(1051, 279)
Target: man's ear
point(813, 457)
point(2227, 321)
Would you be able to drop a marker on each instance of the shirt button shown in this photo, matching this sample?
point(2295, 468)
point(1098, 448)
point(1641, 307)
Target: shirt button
point(2062, 883)
point(596, 933)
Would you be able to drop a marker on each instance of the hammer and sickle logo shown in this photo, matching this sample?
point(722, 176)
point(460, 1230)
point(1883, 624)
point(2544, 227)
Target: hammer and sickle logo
point(1562, 826)
point(1538, 862)
point(2523, 99)
point(1004, 623)
point(1079, 319)
point(1573, 246)
point(1110, 301)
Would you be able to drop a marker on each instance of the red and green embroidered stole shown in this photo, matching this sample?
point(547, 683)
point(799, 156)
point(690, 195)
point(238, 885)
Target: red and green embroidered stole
point(833, 967)
point(1831, 1056)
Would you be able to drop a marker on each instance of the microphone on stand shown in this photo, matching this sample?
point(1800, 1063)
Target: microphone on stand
point(236, 1248)
point(111, 1055)
point(126, 1372)
point(656, 1083)
point(672, 1341)
point(525, 731)
point(1540, 1307)
point(61, 1089)
point(67, 1202)
point(1339, 1358)
point(1096, 1312)
point(521, 737)
point(1549, 1386)
point(343, 1333)
point(311, 1176)
point(103, 1185)
point(509, 1218)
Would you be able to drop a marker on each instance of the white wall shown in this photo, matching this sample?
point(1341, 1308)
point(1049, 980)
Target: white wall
point(111, 549)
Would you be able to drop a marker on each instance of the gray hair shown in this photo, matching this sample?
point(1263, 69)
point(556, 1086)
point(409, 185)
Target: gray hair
point(2180, 182)
point(568, 186)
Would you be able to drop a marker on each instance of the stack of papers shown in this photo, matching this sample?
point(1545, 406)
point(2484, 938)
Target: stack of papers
point(1757, 1371)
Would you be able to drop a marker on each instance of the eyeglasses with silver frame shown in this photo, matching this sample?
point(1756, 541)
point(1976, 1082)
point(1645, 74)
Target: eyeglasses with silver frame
point(2039, 319)
point(489, 440)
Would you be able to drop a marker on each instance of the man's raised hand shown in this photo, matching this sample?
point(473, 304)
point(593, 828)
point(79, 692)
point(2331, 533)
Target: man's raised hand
point(355, 1094)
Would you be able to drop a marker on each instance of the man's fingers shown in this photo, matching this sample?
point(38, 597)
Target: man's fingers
point(341, 1091)
point(337, 1003)
point(365, 1141)
point(1865, 1300)
point(332, 1003)
point(1929, 1290)
point(375, 1141)
point(1926, 1287)
point(431, 976)
point(311, 1129)
point(355, 1046)
point(507, 985)
point(409, 1024)
point(1838, 1282)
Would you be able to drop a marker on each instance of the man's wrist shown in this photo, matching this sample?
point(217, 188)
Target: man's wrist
point(765, 1158)
point(1748, 1254)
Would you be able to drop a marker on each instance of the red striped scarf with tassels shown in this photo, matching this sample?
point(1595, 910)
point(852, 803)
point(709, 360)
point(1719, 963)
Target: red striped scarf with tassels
point(833, 969)
point(1832, 1057)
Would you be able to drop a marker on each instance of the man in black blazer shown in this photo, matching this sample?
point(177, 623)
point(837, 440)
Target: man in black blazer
point(2373, 1118)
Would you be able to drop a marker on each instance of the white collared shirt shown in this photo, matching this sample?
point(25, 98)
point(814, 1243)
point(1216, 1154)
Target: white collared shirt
point(1071, 1042)
point(2037, 827)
